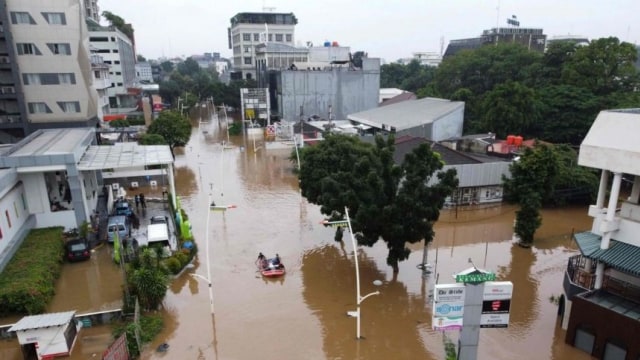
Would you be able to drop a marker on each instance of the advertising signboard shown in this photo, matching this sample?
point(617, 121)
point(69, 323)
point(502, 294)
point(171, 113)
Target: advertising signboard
point(496, 304)
point(448, 307)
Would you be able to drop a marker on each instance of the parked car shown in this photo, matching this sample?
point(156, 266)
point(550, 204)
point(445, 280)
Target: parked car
point(122, 207)
point(77, 250)
point(158, 219)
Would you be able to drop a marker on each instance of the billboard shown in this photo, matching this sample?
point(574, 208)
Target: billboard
point(448, 307)
point(496, 304)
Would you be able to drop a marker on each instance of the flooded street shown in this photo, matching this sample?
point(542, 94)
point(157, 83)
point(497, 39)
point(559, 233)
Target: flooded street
point(303, 315)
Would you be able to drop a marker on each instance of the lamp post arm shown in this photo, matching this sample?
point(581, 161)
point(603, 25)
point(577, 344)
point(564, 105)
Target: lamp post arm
point(201, 277)
point(370, 294)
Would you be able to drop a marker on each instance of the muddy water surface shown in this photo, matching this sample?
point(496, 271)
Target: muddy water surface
point(303, 315)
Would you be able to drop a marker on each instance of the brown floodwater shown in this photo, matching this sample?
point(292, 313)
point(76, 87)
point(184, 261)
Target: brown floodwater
point(303, 314)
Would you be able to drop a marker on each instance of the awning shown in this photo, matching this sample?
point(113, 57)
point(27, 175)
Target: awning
point(620, 256)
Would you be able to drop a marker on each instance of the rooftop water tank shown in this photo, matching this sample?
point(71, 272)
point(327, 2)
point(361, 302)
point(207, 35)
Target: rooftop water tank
point(335, 43)
point(327, 43)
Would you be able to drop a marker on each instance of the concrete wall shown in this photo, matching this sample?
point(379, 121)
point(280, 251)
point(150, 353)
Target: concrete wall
point(14, 212)
point(449, 125)
point(347, 91)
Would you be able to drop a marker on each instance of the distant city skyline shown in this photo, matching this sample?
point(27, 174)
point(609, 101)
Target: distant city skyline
point(388, 30)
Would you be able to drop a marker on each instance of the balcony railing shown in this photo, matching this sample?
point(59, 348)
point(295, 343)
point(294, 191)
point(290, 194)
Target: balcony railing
point(579, 274)
point(10, 119)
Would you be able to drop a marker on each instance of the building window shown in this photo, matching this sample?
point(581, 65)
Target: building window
point(279, 37)
point(119, 84)
point(115, 51)
point(107, 62)
point(103, 51)
point(28, 49)
point(98, 39)
point(247, 60)
point(116, 62)
point(6, 212)
point(113, 39)
point(246, 37)
point(69, 106)
point(60, 49)
point(49, 78)
point(21, 17)
point(289, 37)
point(15, 209)
point(55, 18)
point(270, 37)
point(24, 201)
point(247, 49)
point(118, 73)
point(256, 36)
point(96, 74)
point(38, 108)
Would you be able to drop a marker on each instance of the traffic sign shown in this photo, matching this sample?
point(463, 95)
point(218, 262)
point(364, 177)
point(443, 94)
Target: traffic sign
point(475, 277)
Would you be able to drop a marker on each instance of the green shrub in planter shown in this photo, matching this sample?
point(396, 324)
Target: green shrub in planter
point(173, 264)
point(27, 284)
point(183, 258)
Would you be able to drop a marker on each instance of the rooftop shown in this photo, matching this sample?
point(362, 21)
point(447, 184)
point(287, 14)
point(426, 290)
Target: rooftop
point(407, 114)
point(43, 320)
point(613, 302)
point(124, 155)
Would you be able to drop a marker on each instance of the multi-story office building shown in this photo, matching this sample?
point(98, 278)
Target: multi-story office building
point(601, 301)
point(91, 10)
point(101, 82)
point(45, 71)
point(534, 39)
point(250, 29)
point(117, 50)
point(144, 73)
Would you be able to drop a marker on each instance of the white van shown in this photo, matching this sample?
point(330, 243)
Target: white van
point(118, 224)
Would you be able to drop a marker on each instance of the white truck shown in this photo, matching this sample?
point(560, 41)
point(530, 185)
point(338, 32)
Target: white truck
point(159, 234)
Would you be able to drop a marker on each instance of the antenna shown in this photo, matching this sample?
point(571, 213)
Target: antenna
point(441, 46)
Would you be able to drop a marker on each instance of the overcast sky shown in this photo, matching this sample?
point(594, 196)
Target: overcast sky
point(389, 29)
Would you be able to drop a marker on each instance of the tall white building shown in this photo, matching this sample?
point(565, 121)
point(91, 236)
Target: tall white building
point(101, 82)
point(250, 29)
point(117, 50)
point(45, 69)
point(91, 10)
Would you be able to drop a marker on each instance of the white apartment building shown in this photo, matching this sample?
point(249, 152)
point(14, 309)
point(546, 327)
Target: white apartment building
point(46, 62)
point(250, 29)
point(144, 74)
point(91, 10)
point(117, 50)
point(101, 82)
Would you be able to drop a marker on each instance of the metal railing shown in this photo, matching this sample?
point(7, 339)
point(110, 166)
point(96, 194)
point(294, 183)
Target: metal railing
point(578, 274)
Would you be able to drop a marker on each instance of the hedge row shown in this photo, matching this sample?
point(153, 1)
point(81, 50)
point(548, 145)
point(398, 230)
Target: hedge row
point(27, 284)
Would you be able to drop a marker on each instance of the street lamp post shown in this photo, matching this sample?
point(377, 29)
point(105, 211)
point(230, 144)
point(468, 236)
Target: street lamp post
point(359, 299)
point(208, 278)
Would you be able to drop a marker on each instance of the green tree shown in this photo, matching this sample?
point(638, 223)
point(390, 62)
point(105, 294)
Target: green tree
point(605, 66)
point(167, 66)
point(533, 180)
point(173, 127)
point(149, 281)
point(388, 201)
point(119, 23)
point(510, 108)
point(188, 67)
point(152, 139)
point(140, 58)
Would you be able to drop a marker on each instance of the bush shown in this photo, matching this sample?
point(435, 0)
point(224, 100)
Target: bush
point(27, 284)
point(182, 258)
point(173, 264)
point(150, 327)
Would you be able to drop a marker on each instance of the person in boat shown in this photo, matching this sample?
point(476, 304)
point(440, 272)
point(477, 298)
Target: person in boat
point(276, 262)
point(261, 262)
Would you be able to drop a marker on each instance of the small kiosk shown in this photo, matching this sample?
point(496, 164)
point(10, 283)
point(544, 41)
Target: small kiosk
point(48, 335)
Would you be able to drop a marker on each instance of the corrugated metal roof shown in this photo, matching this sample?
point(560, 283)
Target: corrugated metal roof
point(124, 155)
point(620, 256)
point(43, 320)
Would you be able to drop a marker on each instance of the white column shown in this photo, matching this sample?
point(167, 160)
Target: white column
point(635, 191)
point(606, 237)
point(172, 183)
point(602, 189)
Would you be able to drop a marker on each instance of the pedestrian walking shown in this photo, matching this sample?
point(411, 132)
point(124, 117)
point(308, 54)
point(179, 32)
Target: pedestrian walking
point(137, 198)
point(142, 202)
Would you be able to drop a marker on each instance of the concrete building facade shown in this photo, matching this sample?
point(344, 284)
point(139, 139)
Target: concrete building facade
point(45, 68)
point(250, 29)
point(117, 50)
point(601, 299)
point(144, 73)
point(532, 38)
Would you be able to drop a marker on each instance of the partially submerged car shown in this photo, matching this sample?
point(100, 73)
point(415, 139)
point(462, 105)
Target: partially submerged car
point(77, 250)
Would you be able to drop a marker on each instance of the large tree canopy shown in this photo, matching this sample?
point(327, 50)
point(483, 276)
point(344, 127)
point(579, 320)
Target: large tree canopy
point(385, 200)
point(173, 127)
